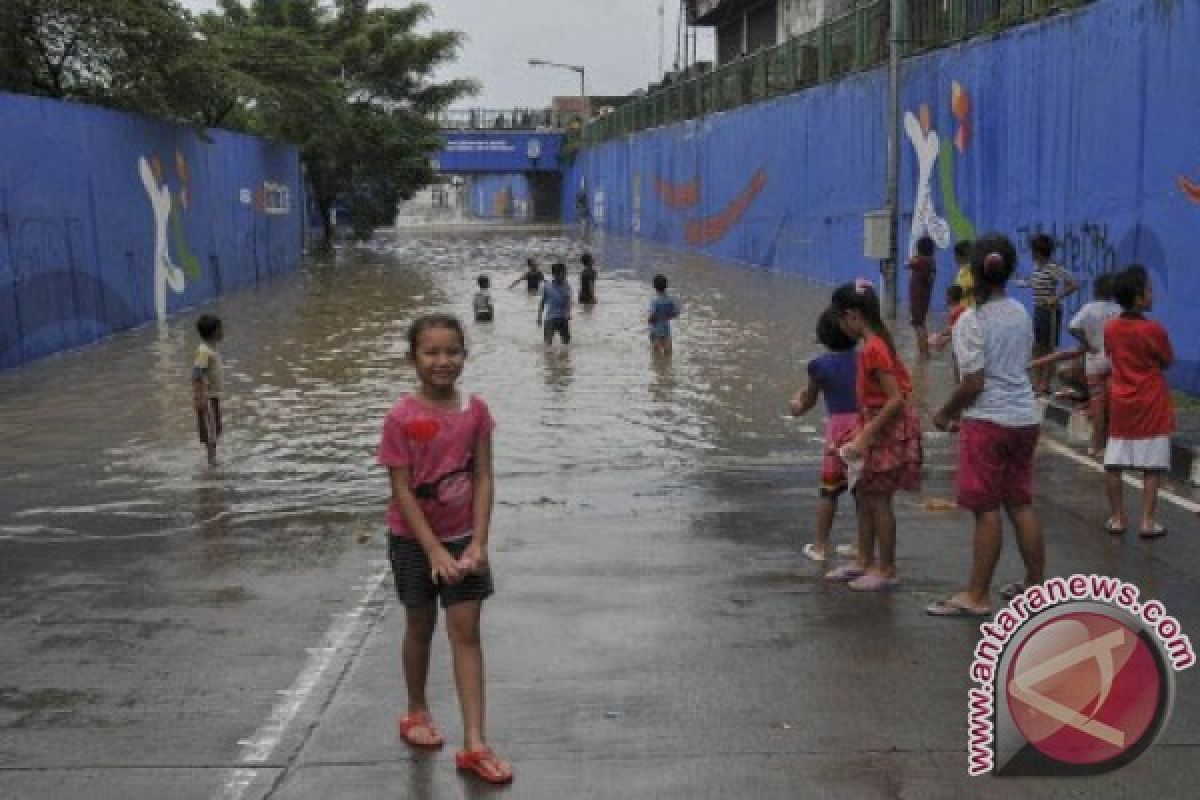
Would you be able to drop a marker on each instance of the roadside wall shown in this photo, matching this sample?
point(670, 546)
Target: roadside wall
point(108, 220)
point(1082, 126)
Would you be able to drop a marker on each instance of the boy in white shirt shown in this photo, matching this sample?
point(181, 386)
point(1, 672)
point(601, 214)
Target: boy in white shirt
point(1088, 327)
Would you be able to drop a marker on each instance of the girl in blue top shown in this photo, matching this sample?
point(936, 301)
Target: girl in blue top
point(663, 309)
point(833, 376)
point(556, 305)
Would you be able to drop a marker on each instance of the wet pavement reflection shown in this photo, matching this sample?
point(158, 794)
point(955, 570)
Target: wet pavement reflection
point(152, 608)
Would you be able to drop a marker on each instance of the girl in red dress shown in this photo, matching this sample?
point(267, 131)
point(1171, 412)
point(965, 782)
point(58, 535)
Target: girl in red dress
point(884, 447)
point(1141, 415)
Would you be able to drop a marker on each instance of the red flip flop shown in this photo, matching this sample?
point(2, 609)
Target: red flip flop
point(420, 720)
point(484, 764)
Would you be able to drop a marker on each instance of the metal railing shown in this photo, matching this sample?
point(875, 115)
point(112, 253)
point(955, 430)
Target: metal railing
point(506, 119)
point(852, 42)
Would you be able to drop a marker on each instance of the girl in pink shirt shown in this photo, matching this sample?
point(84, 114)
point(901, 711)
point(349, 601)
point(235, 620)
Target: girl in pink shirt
point(437, 446)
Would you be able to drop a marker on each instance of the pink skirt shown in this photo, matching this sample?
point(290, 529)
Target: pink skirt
point(893, 461)
point(833, 468)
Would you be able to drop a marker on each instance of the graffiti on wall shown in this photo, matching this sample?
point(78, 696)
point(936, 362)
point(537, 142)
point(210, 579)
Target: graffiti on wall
point(713, 228)
point(168, 208)
point(935, 153)
point(1190, 188)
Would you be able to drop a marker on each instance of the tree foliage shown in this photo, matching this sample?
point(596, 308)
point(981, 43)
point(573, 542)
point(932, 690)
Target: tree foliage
point(352, 85)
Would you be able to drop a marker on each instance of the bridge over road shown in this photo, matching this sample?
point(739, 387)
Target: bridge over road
point(509, 174)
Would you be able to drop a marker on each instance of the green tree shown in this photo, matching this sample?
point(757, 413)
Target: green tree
point(134, 55)
point(363, 129)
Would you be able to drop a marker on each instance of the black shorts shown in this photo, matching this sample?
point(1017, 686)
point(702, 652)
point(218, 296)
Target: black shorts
point(208, 422)
point(560, 326)
point(1047, 325)
point(414, 583)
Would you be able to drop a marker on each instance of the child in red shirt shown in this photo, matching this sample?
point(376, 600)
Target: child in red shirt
point(1141, 415)
point(884, 445)
point(437, 447)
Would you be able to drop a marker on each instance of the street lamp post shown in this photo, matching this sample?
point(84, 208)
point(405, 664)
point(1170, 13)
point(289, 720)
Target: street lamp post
point(538, 62)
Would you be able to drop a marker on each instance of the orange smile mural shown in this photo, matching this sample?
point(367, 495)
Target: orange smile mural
point(711, 229)
point(678, 195)
point(1190, 188)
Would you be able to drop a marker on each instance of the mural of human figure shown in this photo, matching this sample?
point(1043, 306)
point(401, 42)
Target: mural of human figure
point(166, 273)
point(925, 220)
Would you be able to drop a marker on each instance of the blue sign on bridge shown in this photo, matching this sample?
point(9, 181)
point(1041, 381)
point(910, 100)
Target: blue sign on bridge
point(469, 152)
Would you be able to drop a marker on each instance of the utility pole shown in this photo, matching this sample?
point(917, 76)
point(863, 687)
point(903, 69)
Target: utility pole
point(892, 125)
point(662, 33)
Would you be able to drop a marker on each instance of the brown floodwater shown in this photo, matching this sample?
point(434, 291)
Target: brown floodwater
point(100, 444)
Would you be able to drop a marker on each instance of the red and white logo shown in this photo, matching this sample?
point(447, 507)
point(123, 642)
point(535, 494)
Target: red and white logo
point(1086, 688)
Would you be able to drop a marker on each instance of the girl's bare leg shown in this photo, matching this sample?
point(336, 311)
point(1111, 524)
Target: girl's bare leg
point(1151, 480)
point(826, 509)
point(418, 634)
point(865, 558)
point(885, 532)
point(462, 625)
point(1116, 496)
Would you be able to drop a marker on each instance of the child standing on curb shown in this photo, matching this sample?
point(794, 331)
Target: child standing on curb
point(1047, 304)
point(437, 447)
point(998, 432)
point(663, 309)
point(206, 384)
point(885, 443)
point(1088, 327)
point(1141, 415)
point(832, 376)
point(920, 290)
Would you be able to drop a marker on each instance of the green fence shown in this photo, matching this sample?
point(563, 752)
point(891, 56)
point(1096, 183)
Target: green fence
point(852, 42)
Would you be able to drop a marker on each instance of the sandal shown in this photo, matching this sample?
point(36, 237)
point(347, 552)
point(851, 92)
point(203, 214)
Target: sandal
point(950, 607)
point(1154, 532)
point(873, 582)
point(844, 573)
point(420, 721)
point(1113, 527)
point(484, 764)
point(813, 554)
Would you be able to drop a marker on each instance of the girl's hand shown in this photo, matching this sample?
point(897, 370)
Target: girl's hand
point(854, 449)
point(445, 568)
point(474, 559)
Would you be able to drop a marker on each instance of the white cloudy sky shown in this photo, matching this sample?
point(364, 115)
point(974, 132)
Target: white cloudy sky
point(616, 40)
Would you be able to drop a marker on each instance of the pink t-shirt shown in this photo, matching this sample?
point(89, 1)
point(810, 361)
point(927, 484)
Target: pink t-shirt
point(437, 447)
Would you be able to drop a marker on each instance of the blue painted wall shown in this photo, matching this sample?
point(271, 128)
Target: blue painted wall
point(83, 250)
point(500, 197)
point(484, 151)
point(1082, 126)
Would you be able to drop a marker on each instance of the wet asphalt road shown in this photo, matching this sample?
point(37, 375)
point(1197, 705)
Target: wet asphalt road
point(171, 631)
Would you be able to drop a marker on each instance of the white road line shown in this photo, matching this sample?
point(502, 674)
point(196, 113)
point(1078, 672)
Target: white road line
point(1169, 496)
point(344, 630)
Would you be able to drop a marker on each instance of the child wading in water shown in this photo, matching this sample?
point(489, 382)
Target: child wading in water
point(884, 444)
point(831, 375)
point(206, 383)
point(1141, 415)
point(587, 280)
point(556, 306)
point(482, 302)
point(663, 309)
point(437, 446)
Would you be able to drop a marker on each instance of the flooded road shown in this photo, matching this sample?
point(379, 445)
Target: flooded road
point(154, 611)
